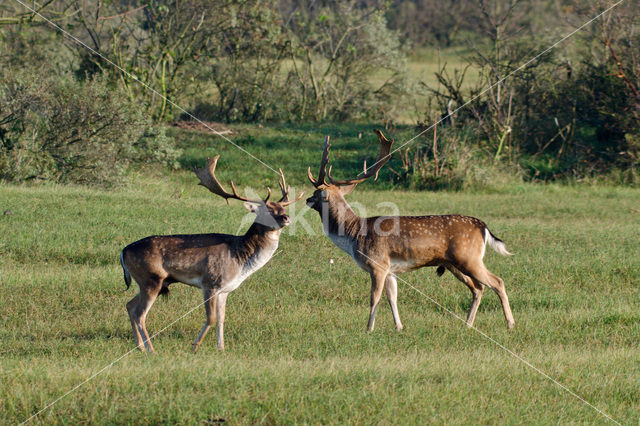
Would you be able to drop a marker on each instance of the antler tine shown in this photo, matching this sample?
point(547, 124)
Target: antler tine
point(208, 179)
point(325, 159)
point(283, 187)
point(284, 201)
point(383, 158)
point(323, 165)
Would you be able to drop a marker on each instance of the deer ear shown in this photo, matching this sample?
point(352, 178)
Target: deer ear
point(252, 207)
point(346, 189)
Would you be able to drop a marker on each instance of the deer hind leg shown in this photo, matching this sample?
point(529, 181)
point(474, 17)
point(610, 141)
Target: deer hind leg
point(391, 288)
point(146, 297)
point(378, 278)
point(500, 289)
point(210, 311)
point(476, 292)
point(481, 274)
point(221, 307)
point(131, 306)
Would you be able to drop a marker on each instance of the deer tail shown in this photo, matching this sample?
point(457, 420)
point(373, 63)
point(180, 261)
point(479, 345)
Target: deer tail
point(125, 271)
point(496, 243)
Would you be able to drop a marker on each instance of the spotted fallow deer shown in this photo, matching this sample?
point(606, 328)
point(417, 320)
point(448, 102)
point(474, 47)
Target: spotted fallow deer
point(384, 246)
point(216, 263)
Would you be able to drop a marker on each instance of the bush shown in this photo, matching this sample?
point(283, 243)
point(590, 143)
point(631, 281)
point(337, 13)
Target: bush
point(453, 162)
point(58, 129)
point(553, 119)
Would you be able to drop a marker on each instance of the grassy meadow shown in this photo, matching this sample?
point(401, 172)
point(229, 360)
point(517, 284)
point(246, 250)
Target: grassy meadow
point(296, 347)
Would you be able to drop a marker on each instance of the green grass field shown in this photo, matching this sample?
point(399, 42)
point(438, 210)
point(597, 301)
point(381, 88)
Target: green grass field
point(297, 351)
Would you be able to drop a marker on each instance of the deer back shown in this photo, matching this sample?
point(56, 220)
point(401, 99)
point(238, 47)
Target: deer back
point(412, 242)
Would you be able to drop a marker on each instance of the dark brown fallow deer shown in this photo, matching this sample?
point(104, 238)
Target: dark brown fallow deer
point(216, 263)
point(387, 245)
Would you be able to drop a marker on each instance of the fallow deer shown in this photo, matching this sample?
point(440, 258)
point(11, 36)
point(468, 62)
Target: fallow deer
point(216, 263)
point(387, 245)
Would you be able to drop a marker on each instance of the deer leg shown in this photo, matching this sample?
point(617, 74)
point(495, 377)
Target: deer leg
point(476, 292)
point(391, 288)
point(481, 274)
point(475, 302)
point(377, 285)
point(131, 306)
point(500, 289)
point(210, 311)
point(145, 300)
point(221, 305)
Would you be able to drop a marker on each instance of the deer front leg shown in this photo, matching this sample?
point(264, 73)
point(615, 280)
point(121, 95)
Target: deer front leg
point(221, 305)
point(391, 287)
point(377, 285)
point(210, 311)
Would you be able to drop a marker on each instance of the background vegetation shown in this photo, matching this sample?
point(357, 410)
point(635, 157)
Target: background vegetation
point(571, 114)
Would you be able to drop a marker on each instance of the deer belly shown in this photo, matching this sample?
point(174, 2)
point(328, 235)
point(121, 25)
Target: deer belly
point(404, 265)
point(192, 280)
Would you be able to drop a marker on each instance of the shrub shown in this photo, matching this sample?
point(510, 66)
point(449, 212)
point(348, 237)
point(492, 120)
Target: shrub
point(58, 129)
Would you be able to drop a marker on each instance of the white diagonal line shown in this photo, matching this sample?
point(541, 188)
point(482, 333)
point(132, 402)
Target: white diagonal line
point(500, 345)
point(520, 68)
point(133, 77)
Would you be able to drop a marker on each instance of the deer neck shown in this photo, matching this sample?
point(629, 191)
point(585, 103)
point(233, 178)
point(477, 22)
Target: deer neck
point(341, 224)
point(257, 245)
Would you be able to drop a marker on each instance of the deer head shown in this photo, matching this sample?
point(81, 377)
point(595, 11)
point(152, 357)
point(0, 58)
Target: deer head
point(269, 214)
point(328, 188)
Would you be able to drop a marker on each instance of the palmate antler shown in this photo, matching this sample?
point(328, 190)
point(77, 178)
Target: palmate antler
point(383, 158)
point(208, 179)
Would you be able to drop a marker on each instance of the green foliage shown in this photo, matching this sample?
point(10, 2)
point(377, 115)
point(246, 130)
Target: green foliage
point(452, 162)
point(444, 164)
point(553, 118)
point(581, 124)
point(53, 127)
point(570, 114)
point(335, 51)
point(158, 43)
point(246, 66)
point(153, 145)
point(317, 65)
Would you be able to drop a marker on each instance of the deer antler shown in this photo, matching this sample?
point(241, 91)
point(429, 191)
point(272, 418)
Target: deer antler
point(284, 201)
point(383, 158)
point(323, 166)
point(208, 179)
